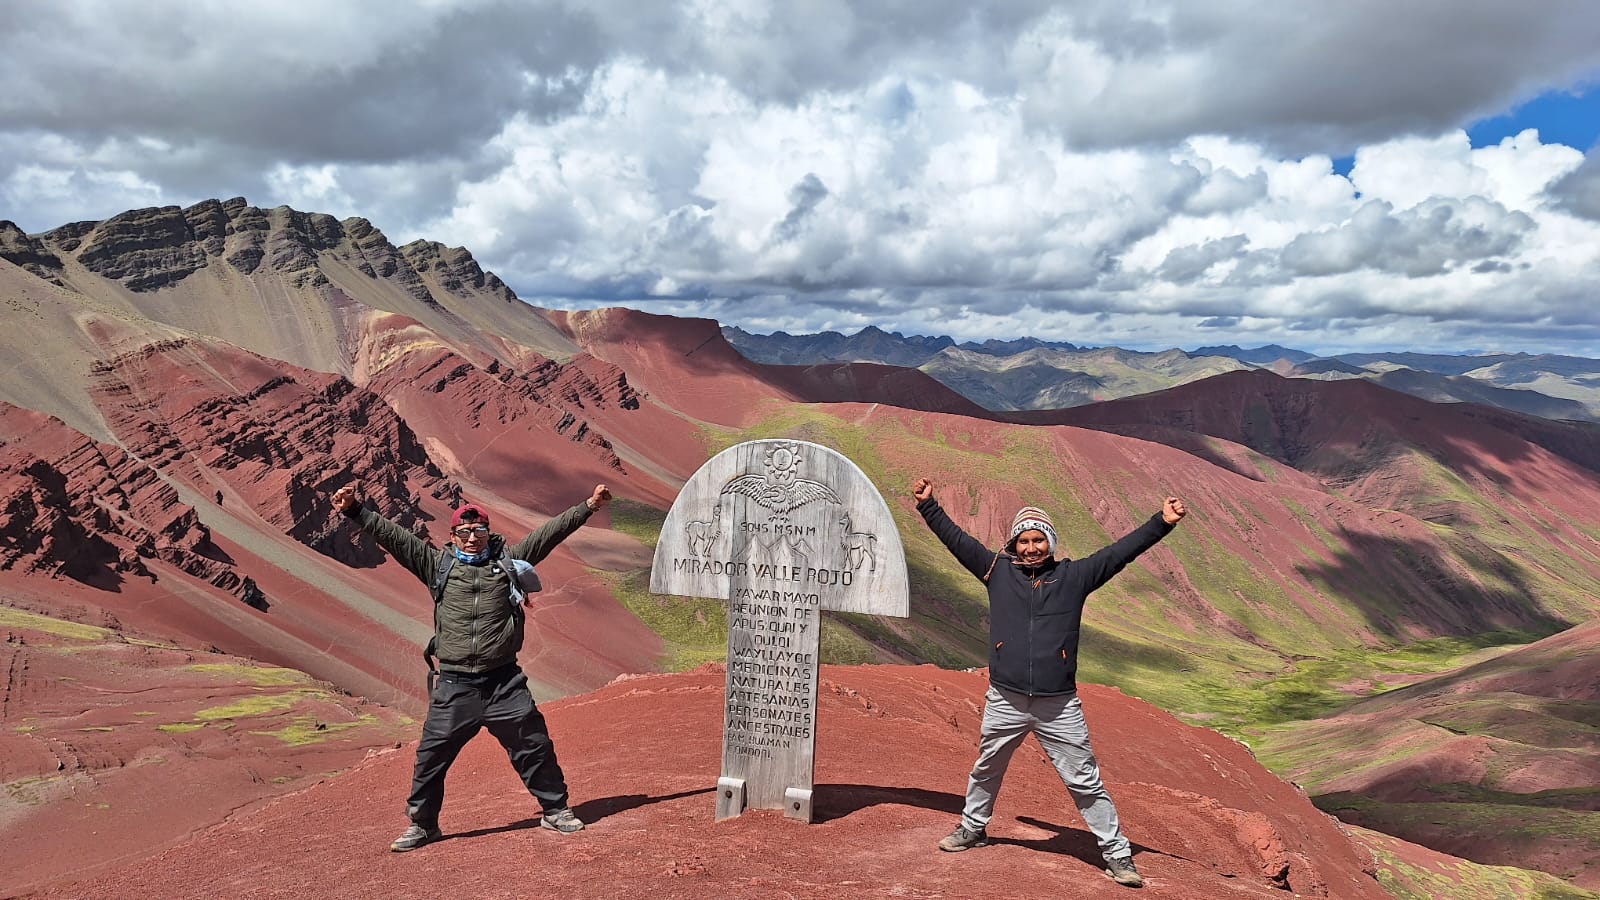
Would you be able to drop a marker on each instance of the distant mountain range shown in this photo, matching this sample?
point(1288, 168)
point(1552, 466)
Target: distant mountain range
point(1029, 374)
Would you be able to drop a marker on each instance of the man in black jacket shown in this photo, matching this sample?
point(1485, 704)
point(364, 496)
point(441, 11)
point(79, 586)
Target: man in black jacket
point(1035, 612)
point(478, 619)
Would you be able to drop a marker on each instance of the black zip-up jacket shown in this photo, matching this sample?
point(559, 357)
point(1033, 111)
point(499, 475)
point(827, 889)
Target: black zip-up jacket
point(476, 629)
point(1035, 612)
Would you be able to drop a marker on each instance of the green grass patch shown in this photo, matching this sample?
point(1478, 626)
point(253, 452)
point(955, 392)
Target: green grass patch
point(1509, 824)
point(180, 727)
point(1465, 880)
point(1325, 537)
point(1315, 687)
point(262, 705)
point(839, 645)
point(306, 730)
point(16, 618)
point(694, 629)
point(640, 521)
point(30, 791)
point(260, 676)
point(1576, 799)
point(918, 640)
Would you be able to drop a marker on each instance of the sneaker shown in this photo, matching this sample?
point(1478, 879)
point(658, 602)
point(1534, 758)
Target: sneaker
point(415, 837)
point(562, 820)
point(963, 838)
point(1121, 871)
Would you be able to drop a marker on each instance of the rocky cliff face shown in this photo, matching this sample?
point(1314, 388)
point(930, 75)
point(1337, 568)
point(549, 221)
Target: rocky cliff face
point(281, 437)
point(30, 253)
point(550, 397)
point(455, 269)
point(75, 507)
point(149, 249)
point(375, 257)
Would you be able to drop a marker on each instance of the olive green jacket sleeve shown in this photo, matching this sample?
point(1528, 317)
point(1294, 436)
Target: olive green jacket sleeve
point(409, 550)
point(536, 546)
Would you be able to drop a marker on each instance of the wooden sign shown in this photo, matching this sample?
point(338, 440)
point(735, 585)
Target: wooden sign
point(781, 530)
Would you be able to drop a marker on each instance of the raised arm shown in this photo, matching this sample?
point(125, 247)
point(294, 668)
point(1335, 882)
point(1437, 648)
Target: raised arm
point(1106, 563)
point(407, 549)
point(972, 555)
point(536, 546)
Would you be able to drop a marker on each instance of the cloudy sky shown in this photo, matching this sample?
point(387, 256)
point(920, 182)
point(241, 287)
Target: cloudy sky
point(1352, 175)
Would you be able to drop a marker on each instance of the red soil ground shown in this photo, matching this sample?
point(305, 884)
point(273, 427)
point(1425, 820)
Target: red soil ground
point(114, 746)
point(641, 757)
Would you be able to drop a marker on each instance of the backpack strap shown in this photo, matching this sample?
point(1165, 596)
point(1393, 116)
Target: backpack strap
point(447, 561)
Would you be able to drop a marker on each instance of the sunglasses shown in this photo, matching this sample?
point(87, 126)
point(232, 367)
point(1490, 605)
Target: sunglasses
point(470, 530)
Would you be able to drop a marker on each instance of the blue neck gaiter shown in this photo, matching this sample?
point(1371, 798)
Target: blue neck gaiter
point(476, 559)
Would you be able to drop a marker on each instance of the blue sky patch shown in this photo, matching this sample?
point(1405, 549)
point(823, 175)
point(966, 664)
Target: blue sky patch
point(1562, 117)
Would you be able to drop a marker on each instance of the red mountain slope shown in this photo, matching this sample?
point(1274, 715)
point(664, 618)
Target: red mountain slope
point(1517, 482)
point(1496, 762)
point(689, 366)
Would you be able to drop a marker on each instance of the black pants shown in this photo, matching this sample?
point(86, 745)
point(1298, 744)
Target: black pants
point(460, 705)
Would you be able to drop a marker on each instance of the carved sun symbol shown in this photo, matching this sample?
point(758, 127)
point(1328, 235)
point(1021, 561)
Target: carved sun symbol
point(780, 489)
point(783, 462)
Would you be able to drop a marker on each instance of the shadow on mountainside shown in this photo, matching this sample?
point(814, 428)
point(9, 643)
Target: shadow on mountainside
point(1118, 654)
point(1401, 586)
point(1197, 444)
point(1337, 431)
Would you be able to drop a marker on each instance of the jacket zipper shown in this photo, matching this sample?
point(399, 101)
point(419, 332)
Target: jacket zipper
point(1033, 614)
point(477, 595)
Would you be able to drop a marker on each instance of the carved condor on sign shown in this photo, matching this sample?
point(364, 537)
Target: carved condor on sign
point(782, 530)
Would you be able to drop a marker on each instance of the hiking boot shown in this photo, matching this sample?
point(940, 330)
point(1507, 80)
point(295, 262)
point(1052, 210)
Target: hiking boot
point(562, 820)
point(415, 837)
point(963, 838)
point(1121, 871)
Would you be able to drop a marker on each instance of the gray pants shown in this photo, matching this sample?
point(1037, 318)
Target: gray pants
point(1059, 725)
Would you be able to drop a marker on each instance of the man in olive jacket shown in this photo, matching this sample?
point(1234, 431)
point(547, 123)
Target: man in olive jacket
point(1035, 612)
point(478, 624)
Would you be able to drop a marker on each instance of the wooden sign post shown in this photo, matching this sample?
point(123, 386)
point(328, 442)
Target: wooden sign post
point(781, 530)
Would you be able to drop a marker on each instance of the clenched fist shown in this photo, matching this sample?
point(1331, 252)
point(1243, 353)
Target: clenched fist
point(1173, 510)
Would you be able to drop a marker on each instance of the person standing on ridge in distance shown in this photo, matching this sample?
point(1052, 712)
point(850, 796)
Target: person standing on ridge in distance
point(1035, 611)
point(478, 620)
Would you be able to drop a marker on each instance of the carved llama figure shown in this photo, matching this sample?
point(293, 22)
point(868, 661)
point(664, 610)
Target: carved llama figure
point(859, 546)
point(703, 535)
